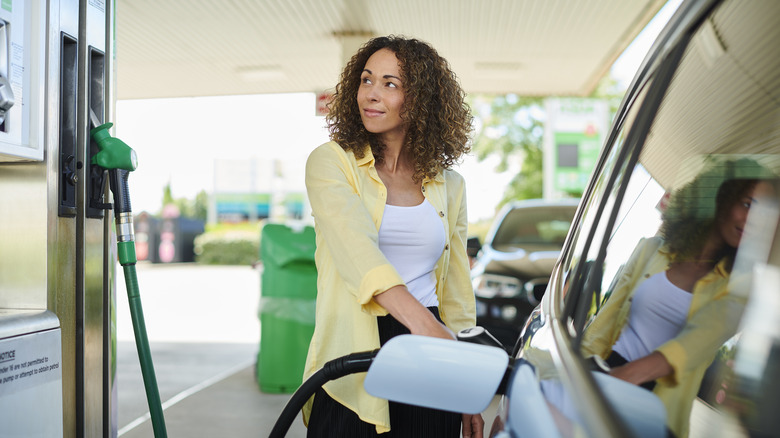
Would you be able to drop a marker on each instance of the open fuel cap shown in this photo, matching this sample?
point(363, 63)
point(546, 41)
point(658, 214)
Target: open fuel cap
point(437, 373)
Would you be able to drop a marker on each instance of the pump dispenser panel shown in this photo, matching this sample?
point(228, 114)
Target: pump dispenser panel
point(57, 259)
point(96, 186)
point(69, 165)
point(20, 64)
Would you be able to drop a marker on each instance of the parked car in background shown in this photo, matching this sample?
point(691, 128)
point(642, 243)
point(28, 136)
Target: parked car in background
point(513, 267)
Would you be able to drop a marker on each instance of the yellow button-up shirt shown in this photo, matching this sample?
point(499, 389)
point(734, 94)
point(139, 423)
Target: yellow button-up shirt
point(347, 200)
point(712, 319)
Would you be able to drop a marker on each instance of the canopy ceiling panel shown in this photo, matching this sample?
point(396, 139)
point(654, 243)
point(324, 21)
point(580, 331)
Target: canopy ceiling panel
point(178, 48)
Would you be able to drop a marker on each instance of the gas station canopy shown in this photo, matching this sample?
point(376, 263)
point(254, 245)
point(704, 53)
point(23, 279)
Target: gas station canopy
point(181, 48)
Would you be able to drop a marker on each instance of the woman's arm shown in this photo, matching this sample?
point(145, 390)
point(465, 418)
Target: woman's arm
point(646, 369)
point(699, 340)
point(408, 311)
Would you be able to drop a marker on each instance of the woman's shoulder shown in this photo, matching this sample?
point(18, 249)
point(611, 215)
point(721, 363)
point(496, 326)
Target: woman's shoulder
point(329, 156)
point(452, 177)
point(328, 148)
point(653, 243)
point(334, 150)
point(330, 152)
point(651, 246)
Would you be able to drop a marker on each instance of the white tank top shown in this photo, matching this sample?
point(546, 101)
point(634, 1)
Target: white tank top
point(412, 239)
point(658, 313)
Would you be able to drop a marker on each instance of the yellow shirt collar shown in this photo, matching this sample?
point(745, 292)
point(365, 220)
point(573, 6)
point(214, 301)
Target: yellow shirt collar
point(368, 158)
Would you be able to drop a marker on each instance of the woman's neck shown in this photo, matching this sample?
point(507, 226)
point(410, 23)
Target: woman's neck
point(395, 159)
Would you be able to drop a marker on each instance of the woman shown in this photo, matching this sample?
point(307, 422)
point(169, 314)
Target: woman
point(671, 309)
point(390, 219)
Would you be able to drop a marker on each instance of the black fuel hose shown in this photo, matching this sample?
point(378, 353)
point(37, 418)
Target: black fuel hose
point(334, 369)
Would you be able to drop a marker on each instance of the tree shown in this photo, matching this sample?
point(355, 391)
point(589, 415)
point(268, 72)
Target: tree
point(511, 127)
point(196, 208)
point(611, 90)
point(167, 195)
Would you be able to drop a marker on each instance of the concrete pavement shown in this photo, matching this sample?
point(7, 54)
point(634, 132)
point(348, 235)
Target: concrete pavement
point(204, 335)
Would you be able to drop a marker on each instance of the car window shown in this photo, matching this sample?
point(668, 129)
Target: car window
point(686, 141)
point(543, 225)
point(598, 203)
point(712, 147)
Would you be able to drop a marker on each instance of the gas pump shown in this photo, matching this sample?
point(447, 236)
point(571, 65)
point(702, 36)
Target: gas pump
point(57, 257)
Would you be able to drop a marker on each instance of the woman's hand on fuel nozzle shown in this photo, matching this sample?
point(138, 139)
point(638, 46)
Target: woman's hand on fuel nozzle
point(437, 330)
point(473, 426)
point(408, 311)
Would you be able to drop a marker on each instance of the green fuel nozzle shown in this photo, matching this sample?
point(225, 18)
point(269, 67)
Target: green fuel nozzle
point(114, 153)
point(120, 159)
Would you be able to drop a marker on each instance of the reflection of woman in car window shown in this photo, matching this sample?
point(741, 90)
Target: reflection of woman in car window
point(671, 310)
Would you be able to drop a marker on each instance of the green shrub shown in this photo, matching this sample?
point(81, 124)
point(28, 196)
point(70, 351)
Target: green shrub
point(228, 247)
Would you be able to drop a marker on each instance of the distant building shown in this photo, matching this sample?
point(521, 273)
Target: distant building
point(254, 189)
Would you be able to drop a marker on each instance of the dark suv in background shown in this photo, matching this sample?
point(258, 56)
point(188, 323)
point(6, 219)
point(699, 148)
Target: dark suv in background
point(513, 267)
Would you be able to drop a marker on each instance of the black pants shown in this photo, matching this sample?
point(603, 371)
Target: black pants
point(331, 419)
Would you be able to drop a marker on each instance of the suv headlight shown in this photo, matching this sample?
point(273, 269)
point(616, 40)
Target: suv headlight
point(493, 285)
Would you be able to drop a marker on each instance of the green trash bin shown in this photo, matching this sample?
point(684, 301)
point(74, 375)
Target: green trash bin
point(288, 292)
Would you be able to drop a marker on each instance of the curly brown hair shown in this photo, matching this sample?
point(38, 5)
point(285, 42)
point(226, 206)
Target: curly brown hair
point(685, 232)
point(439, 120)
point(695, 208)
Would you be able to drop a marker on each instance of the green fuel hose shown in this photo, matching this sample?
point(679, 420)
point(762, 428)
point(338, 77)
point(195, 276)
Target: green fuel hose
point(119, 159)
point(141, 340)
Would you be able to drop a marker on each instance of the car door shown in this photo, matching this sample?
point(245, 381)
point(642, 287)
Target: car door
point(705, 104)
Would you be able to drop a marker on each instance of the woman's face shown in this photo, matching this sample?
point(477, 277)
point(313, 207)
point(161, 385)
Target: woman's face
point(381, 95)
point(732, 222)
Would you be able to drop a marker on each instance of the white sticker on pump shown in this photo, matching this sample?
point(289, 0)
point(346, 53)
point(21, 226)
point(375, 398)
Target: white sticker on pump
point(31, 384)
